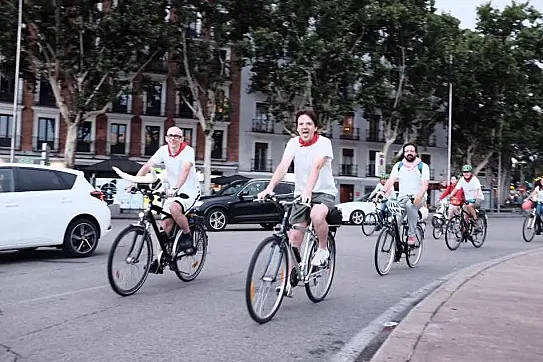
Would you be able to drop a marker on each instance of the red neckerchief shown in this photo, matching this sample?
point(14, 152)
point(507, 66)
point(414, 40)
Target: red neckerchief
point(471, 178)
point(310, 142)
point(181, 148)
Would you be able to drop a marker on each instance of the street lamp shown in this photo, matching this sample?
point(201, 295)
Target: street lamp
point(449, 146)
point(16, 82)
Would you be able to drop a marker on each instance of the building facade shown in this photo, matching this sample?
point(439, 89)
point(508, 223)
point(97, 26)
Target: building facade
point(356, 144)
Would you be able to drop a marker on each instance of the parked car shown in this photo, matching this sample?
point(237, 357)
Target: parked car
point(43, 206)
point(234, 205)
point(354, 211)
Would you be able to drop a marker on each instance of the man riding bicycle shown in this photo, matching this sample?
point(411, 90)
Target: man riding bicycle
point(473, 193)
point(312, 155)
point(413, 177)
point(373, 197)
point(178, 159)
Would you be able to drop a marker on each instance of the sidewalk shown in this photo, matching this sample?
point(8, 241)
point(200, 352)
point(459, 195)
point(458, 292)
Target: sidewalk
point(486, 313)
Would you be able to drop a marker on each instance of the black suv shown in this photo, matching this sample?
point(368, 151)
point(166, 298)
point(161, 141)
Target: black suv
point(234, 205)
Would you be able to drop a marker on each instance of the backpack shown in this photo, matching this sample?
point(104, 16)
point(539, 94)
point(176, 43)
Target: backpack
point(419, 166)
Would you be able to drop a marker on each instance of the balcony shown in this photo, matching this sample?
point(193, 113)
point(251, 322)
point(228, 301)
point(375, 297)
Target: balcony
point(5, 141)
point(6, 95)
point(117, 148)
point(263, 125)
point(370, 170)
point(84, 146)
point(352, 134)
point(37, 144)
point(374, 136)
point(261, 165)
point(348, 170)
point(432, 141)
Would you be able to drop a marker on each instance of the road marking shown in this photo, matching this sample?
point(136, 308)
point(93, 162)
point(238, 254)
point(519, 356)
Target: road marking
point(58, 295)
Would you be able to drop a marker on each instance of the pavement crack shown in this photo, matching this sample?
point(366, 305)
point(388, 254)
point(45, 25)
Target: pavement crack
point(9, 351)
point(68, 320)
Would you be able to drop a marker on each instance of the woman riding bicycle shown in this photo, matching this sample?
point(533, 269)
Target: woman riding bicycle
point(537, 197)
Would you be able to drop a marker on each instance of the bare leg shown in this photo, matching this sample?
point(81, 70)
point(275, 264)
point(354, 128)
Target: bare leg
point(318, 217)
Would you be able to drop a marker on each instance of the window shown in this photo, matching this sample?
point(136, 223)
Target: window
point(6, 122)
point(217, 151)
point(184, 109)
point(284, 188)
point(6, 180)
point(7, 87)
point(347, 126)
point(154, 99)
point(46, 97)
point(187, 135)
point(254, 188)
point(120, 105)
point(67, 178)
point(371, 165)
point(31, 179)
point(46, 132)
point(261, 157)
point(348, 156)
point(152, 139)
point(262, 111)
point(373, 129)
point(118, 139)
point(84, 137)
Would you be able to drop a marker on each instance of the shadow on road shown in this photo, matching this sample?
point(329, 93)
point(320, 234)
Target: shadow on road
point(41, 254)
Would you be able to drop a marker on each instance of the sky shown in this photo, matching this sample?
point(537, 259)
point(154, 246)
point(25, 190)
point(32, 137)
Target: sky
point(465, 9)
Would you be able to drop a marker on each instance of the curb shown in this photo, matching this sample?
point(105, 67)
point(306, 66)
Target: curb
point(419, 305)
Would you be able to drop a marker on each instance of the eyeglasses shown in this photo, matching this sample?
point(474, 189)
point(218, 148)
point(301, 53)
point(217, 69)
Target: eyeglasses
point(174, 136)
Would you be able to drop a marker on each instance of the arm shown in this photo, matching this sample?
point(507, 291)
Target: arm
point(145, 169)
point(389, 185)
point(446, 192)
point(183, 175)
point(375, 191)
point(425, 182)
point(280, 172)
point(314, 174)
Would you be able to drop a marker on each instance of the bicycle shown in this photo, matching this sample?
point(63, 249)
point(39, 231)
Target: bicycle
point(277, 254)
point(531, 225)
point(439, 220)
point(373, 220)
point(138, 252)
point(459, 230)
point(397, 246)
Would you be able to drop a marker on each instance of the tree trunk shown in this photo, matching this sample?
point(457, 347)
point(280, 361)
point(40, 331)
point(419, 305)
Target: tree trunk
point(482, 164)
point(207, 163)
point(71, 144)
point(386, 147)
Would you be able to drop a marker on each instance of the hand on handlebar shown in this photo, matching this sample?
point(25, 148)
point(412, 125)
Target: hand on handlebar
point(171, 192)
point(262, 195)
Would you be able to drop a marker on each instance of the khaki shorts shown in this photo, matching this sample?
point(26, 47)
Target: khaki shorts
point(186, 204)
point(300, 213)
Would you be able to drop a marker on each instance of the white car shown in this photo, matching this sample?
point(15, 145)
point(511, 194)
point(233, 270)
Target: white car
point(354, 211)
point(44, 206)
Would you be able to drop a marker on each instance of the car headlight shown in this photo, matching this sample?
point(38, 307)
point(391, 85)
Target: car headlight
point(198, 203)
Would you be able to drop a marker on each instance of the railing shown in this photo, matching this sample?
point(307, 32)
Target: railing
point(84, 146)
point(117, 148)
point(370, 170)
point(156, 110)
point(150, 149)
point(374, 136)
point(432, 141)
point(353, 135)
point(6, 95)
point(261, 165)
point(263, 125)
point(38, 142)
point(348, 170)
point(5, 142)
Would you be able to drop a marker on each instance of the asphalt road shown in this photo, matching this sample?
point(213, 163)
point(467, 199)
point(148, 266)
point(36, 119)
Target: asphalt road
point(58, 309)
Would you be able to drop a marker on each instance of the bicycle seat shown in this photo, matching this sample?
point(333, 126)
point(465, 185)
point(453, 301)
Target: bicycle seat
point(334, 217)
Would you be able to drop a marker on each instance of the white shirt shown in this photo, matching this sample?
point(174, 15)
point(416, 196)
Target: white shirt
point(304, 158)
point(174, 166)
point(472, 189)
point(410, 180)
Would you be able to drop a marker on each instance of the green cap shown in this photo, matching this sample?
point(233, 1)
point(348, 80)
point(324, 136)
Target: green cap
point(467, 168)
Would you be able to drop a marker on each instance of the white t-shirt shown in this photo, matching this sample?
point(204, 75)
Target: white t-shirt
point(410, 180)
point(472, 189)
point(174, 166)
point(304, 158)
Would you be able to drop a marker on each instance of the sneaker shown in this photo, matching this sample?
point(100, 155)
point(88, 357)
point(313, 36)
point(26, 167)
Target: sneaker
point(155, 268)
point(320, 258)
point(411, 240)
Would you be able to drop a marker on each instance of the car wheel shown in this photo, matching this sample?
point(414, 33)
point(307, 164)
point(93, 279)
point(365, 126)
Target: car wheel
point(268, 226)
point(357, 217)
point(216, 220)
point(81, 238)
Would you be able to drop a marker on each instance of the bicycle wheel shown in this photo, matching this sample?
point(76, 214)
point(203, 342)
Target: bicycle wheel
point(267, 276)
point(320, 278)
point(369, 224)
point(437, 232)
point(478, 237)
point(528, 228)
point(414, 252)
point(454, 233)
point(190, 265)
point(136, 253)
point(385, 245)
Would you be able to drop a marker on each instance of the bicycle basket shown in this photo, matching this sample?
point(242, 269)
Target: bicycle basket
point(394, 207)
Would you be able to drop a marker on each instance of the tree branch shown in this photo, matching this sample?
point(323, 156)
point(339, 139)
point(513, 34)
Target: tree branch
point(96, 89)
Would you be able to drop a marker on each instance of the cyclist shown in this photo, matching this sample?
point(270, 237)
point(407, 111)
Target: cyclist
point(536, 196)
point(313, 182)
point(413, 177)
point(473, 193)
point(453, 209)
point(374, 198)
point(178, 159)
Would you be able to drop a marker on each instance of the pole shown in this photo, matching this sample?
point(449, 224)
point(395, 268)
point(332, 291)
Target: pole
point(16, 81)
point(498, 197)
point(449, 143)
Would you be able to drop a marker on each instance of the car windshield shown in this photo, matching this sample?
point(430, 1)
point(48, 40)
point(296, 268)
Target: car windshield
point(231, 189)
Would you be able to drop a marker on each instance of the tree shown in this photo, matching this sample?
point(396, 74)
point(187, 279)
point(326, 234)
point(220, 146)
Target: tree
point(302, 55)
point(87, 51)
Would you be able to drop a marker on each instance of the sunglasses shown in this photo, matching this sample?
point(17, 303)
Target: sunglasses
point(174, 136)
